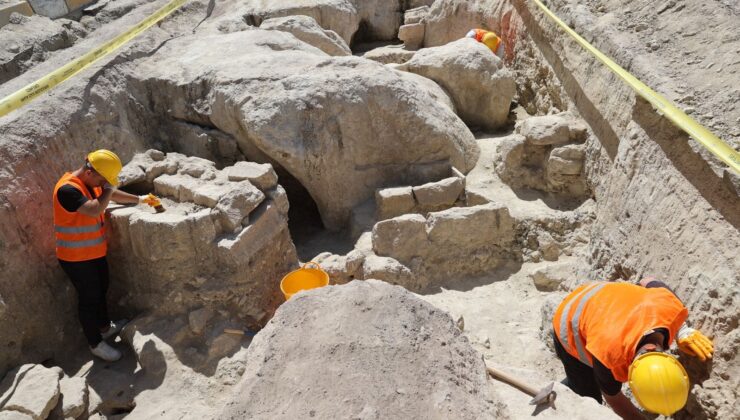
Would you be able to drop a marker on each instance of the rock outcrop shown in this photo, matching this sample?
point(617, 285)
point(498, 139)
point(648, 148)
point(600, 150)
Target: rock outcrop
point(342, 126)
point(386, 353)
point(479, 84)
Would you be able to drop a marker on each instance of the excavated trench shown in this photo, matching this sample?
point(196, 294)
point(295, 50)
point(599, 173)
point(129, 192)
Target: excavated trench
point(497, 247)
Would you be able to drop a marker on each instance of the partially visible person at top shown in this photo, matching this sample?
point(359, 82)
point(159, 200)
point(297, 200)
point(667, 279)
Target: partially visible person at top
point(608, 333)
point(489, 38)
point(79, 201)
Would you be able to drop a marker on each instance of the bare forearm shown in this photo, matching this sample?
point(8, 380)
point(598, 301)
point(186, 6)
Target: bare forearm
point(624, 407)
point(95, 207)
point(123, 197)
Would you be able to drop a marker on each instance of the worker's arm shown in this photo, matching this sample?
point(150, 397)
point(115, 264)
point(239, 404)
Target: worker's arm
point(623, 407)
point(123, 197)
point(94, 207)
point(690, 341)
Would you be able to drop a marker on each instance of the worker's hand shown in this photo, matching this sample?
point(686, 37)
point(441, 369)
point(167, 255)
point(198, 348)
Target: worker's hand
point(694, 343)
point(149, 199)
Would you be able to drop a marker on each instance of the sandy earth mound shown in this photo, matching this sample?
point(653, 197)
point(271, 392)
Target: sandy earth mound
point(383, 352)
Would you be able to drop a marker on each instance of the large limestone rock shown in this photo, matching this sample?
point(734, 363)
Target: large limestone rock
point(222, 241)
point(383, 353)
point(342, 126)
point(476, 79)
point(30, 389)
point(307, 30)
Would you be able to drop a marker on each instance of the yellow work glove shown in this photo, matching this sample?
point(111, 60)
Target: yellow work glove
point(694, 343)
point(150, 199)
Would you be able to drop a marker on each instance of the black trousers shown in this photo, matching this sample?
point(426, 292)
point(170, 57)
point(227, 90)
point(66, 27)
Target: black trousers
point(90, 279)
point(580, 377)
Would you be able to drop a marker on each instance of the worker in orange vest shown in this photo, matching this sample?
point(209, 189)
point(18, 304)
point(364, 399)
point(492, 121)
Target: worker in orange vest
point(489, 38)
point(79, 201)
point(607, 333)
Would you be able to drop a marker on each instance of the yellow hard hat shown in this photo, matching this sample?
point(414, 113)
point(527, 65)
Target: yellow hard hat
point(659, 383)
point(491, 40)
point(107, 164)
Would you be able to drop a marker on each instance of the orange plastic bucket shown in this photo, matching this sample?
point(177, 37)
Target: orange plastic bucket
point(304, 278)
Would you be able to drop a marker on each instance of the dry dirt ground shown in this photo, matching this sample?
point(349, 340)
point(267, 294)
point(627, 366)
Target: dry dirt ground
point(651, 208)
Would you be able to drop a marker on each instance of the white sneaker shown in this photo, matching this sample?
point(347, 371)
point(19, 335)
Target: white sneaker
point(115, 328)
point(104, 351)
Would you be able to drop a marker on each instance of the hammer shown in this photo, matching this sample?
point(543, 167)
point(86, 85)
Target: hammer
point(542, 399)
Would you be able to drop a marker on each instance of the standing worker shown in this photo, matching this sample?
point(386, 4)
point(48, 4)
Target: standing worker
point(608, 333)
point(489, 38)
point(79, 201)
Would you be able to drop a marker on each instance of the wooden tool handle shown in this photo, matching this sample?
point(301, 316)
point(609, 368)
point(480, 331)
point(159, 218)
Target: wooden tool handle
point(501, 376)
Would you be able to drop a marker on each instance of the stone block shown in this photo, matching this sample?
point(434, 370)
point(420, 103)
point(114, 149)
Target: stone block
point(180, 187)
point(557, 165)
point(74, 396)
point(389, 270)
point(262, 176)
point(412, 35)
point(545, 130)
point(237, 203)
point(33, 389)
point(208, 195)
point(392, 202)
point(402, 237)
point(471, 226)
point(439, 194)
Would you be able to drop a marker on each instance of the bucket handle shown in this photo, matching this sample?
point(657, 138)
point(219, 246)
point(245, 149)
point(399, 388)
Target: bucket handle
point(314, 263)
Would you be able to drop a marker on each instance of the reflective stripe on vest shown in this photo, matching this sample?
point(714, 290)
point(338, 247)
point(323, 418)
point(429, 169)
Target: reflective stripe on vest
point(78, 229)
point(582, 298)
point(80, 244)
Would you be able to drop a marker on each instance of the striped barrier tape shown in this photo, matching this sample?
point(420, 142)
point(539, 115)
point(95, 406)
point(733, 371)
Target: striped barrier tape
point(35, 89)
point(711, 142)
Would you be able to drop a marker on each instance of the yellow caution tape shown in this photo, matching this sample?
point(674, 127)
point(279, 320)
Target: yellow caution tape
point(33, 90)
point(711, 142)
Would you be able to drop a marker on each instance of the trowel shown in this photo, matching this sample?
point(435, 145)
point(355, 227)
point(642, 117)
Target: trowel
point(541, 399)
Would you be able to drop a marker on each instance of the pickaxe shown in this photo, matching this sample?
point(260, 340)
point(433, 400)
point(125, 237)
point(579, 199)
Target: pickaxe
point(541, 399)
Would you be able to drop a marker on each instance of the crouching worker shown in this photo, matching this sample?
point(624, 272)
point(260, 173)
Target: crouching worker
point(79, 201)
point(609, 333)
point(490, 39)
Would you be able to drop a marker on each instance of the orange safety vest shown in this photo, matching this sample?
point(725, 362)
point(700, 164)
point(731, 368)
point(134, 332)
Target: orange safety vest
point(607, 321)
point(78, 237)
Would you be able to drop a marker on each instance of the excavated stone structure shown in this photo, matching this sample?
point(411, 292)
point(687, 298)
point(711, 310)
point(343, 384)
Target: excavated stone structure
point(342, 126)
point(222, 243)
point(547, 155)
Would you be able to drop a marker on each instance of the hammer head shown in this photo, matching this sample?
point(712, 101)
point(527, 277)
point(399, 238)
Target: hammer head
point(545, 397)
